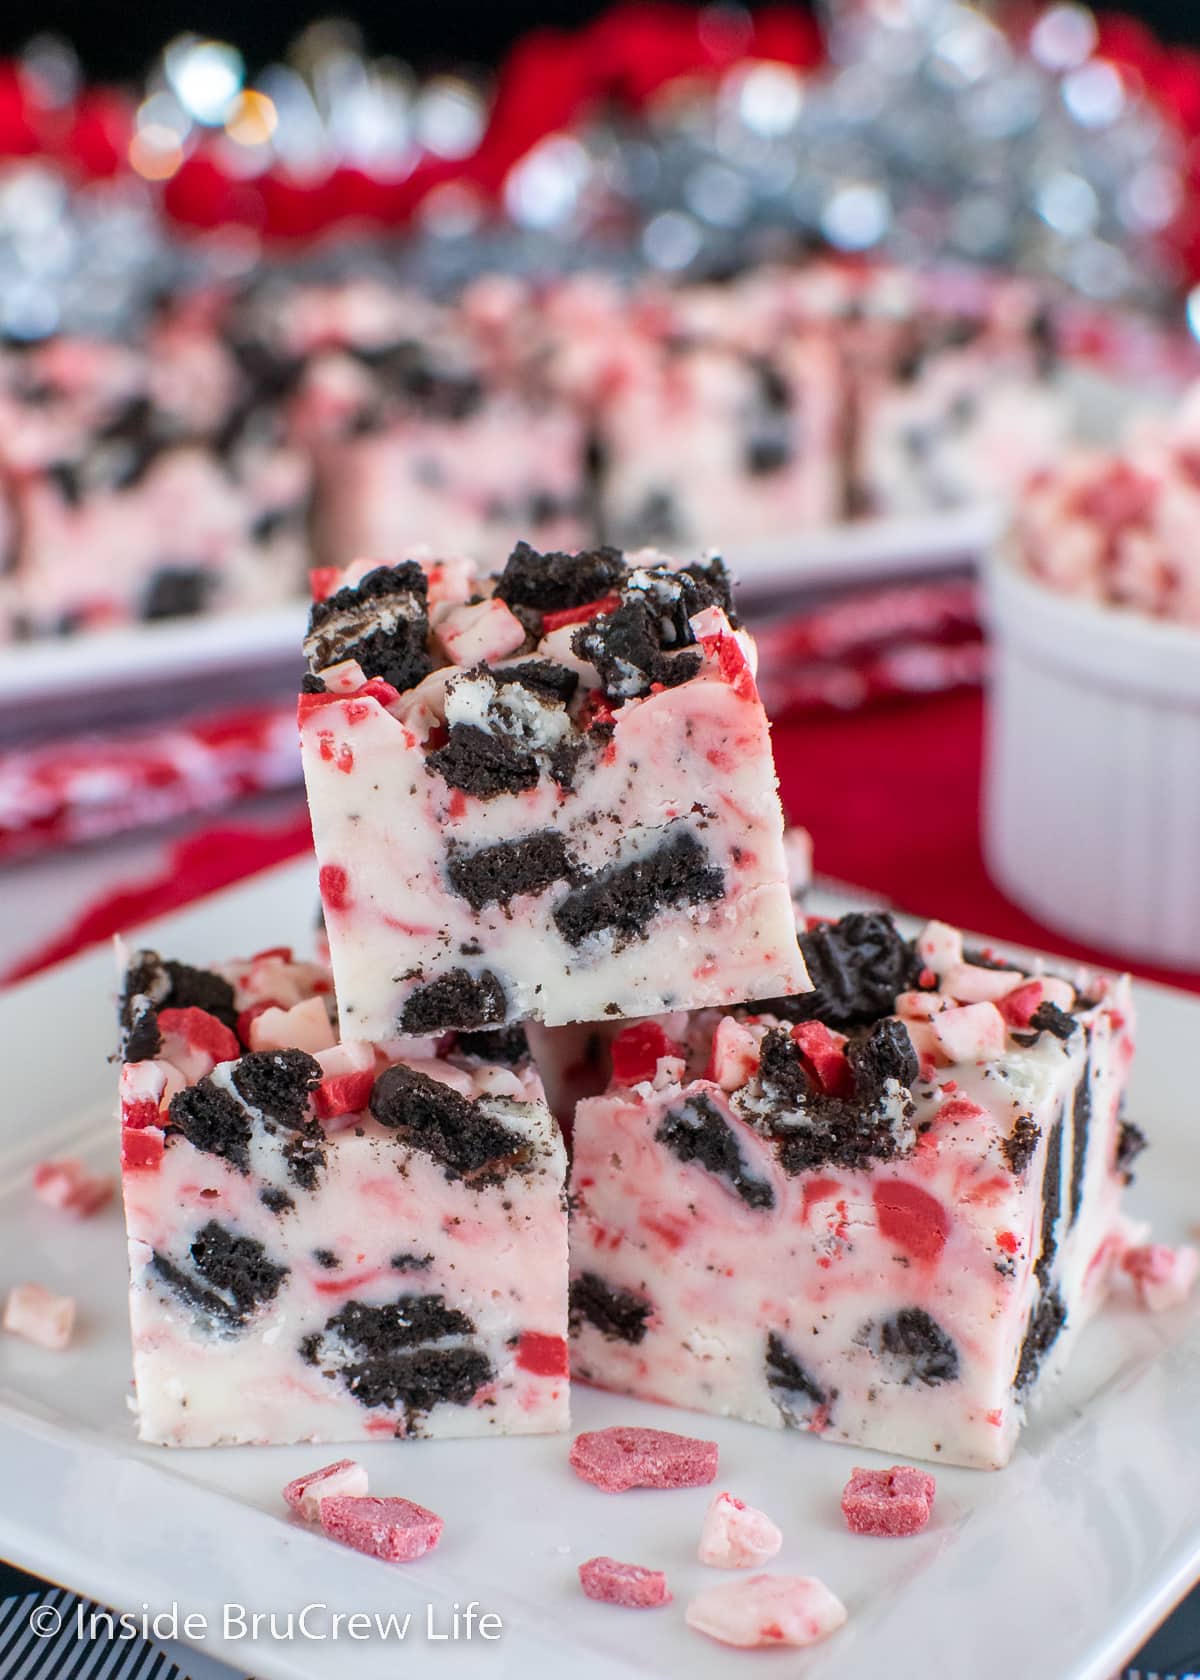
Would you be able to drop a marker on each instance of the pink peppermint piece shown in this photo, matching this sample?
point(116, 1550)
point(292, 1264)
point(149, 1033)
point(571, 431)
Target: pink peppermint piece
point(345, 1478)
point(767, 1610)
point(69, 1186)
point(617, 1459)
point(736, 1536)
point(395, 1530)
point(1163, 1277)
point(896, 1501)
point(39, 1316)
point(610, 1582)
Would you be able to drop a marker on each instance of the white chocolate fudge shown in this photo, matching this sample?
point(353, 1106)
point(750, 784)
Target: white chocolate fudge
point(544, 795)
point(339, 1242)
point(880, 1211)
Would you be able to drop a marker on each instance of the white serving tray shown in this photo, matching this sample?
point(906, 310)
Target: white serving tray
point(1055, 1569)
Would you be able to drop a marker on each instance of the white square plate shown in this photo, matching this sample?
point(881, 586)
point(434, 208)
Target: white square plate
point(1054, 1569)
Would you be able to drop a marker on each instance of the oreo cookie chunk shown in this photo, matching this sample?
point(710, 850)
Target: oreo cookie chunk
point(152, 984)
point(812, 1129)
point(618, 1314)
point(912, 1348)
point(408, 1355)
point(554, 581)
point(628, 648)
point(858, 965)
point(225, 1279)
point(457, 999)
point(498, 874)
point(794, 1390)
point(697, 1131)
point(382, 622)
point(625, 898)
point(468, 1141)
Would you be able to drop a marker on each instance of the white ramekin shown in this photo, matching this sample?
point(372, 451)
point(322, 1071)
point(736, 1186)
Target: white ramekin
point(1092, 803)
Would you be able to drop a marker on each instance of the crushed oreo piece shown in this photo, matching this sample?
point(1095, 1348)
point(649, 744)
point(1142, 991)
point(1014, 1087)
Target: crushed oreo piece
point(697, 1131)
point(914, 1346)
point(795, 1392)
point(618, 1314)
point(554, 581)
point(626, 897)
point(1018, 1148)
point(482, 764)
point(1046, 1324)
point(310, 683)
point(277, 1200)
point(440, 1121)
point(178, 592)
point(457, 1000)
point(326, 1259)
point(213, 1121)
point(231, 1276)
point(811, 1129)
point(152, 984)
point(503, 1044)
point(411, 1262)
point(1048, 1017)
point(385, 1357)
point(626, 647)
point(1131, 1140)
point(278, 1083)
point(543, 677)
point(382, 622)
point(886, 1052)
point(1051, 1204)
point(857, 965)
point(497, 874)
point(707, 583)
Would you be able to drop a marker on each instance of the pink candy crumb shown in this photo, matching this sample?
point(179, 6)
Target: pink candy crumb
point(617, 1459)
point(894, 1502)
point(1163, 1277)
point(610, 1582)
point(395, 1530)
point(68, 1186)
point(767, 1610)
point(37, 1315)
point(346, 1478)
point(736, 1536)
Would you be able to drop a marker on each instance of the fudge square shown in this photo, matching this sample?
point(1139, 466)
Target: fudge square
point(542, 795)
point(880, 1211)
point(333, 1241)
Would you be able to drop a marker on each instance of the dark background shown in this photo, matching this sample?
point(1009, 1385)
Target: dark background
point(118, 38)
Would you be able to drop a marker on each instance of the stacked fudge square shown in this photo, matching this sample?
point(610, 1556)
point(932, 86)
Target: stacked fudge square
point(824, 1176)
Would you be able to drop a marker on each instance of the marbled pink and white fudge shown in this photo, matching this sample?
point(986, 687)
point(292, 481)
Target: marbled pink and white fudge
point(880, 1211)
point(543, 795)
point(329, 1240)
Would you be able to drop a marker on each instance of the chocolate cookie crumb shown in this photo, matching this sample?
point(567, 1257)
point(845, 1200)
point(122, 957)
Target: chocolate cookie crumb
point(857, 965)
point(916, 1348)
point(456, 1000)
point(625, 898)
point(1018, 1148)
point(618, 1314)
point(482, 764)
point(1046, 1323)
point(553, 581)
point(497, 874)
point(698, 1131)
point(797, 1394)
point(441, 1122)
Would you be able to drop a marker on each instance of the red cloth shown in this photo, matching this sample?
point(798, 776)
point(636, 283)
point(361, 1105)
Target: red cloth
point(890, 794)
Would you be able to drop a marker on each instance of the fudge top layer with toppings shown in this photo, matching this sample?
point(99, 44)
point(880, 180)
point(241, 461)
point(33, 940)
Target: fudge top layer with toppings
point(243, 1061)
point(503, 678)
point(895, 1035)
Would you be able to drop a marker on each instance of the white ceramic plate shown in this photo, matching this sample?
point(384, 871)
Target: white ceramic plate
point(1054, 1569)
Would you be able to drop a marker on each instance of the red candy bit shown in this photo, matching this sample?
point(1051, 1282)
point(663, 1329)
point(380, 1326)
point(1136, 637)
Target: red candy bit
point(334, 883)
point(395, 1530)
point(1018, 1007)
point(144, 1112)
point(636, 1052)
point(893, 1502)
point(377, 689)
point(596, 709)
point(141, 1148)
point(579, 615)
point(1008, 1241)
point(610, 1582)
point(823, 1054)
point(618, 1459)
point(250, 1015)
point(283, 952)
point(541, 1355)
point(733, 665)
point(342, 1093)
point(323, 581)
point(911, 1218)
point(308, 703)
point(200, 1031)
